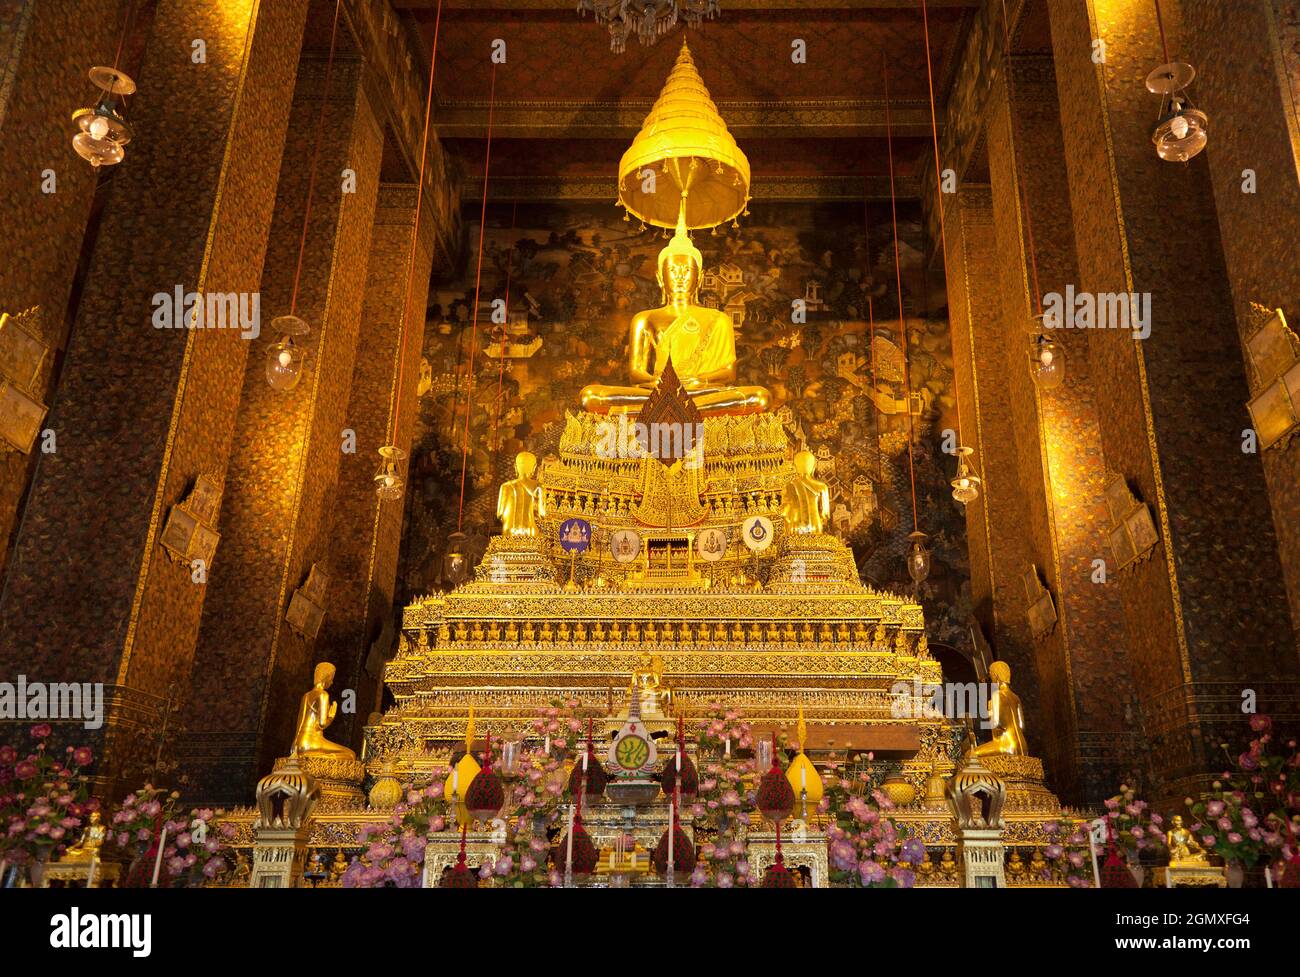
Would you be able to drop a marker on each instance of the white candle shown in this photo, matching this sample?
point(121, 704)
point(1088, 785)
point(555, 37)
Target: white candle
point(1268, 877)
point(568, 854)
point(547, 747)
point(94, 863)
point(585, 753)
point(672, 809)
point(679, 760)
point(157, 862)
point(803, 778)
point(728, 752)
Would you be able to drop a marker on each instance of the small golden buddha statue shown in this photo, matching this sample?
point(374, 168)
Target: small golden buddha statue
point(1037, 863)
point(947, 866)
point(338, 867)
point(648, 682)
point(92, 839)
point(520, 501)
point(315, 713)
point(806, 504)
point(1006, 715)
point(701, 342)
point(1184, 849)
point(1016, 865)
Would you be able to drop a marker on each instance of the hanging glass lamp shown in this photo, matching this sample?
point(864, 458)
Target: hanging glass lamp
point(103, 133)
point(284, 359)
point(388, 479)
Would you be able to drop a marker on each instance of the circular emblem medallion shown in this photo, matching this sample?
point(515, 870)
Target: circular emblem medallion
point(756, 532)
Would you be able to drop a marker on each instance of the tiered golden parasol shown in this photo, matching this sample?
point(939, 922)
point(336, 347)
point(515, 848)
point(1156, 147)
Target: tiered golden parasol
point(696, 163)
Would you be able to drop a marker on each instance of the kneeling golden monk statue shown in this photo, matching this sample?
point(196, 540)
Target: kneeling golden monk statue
point(315, 713)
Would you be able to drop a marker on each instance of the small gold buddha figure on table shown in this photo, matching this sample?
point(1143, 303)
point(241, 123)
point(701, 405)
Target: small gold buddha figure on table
point(520, 501)
point(1006, 717)
point(315, 713)
point(806, 502)
point(1184, 850)
point(92, 839)
point(701, 342)
point(648, 683)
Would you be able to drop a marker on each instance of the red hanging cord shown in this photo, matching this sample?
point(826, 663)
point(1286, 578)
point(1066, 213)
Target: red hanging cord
point(938, 202)
point(315, 158)
point(902, 319)
point(478, 287)
point(1022, 194)
point(395, 402)
point(871, 332)
point(126, 30)
point(505, 326)
point(1160, 23)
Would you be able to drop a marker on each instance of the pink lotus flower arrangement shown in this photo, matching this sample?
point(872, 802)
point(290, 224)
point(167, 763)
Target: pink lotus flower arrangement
point(722, 807)
point(394, 856)
point(867, 848)
point(42, 799)
point(1251, 812)
point(195, 854)
point(1136, 827)
point(560, 723)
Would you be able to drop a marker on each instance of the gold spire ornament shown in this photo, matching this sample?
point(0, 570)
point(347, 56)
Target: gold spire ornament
point(684, 159)
point(804, 779)
point(462, 775)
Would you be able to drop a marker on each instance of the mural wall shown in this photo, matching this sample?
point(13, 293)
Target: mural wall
point(572, 275)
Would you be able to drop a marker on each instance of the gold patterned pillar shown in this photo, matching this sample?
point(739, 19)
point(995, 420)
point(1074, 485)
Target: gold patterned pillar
point(1057, 432)
point(47, 191)
point(1243, 53)
point(1000, 526)
point(141, 410)
point(252, 661)
point(1207, 612)
point(366, 534)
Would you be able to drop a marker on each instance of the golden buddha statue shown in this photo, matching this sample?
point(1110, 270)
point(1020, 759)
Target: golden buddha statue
point(315, 713)
point(806, 503)
point(1006, 715)
point(1184, 849)
point(648, 683)
point(701, 342)
point(92, 839)
point(520, 500)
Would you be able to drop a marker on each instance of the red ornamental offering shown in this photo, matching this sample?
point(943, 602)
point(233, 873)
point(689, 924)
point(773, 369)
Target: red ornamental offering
point(595, 777)
point(486, 794)
point(683, 852)
point(459, 877)
point(775, 795)
point(690, 779)
point(585, 854)
point(1115, 873)
point(778, 877)
point(1290, 874)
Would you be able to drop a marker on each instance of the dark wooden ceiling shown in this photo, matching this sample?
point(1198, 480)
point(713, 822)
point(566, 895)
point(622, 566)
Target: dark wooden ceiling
point(566, 106)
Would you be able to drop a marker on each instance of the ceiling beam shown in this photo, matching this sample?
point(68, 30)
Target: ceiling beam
point(467, 119)
point(817, 188)
point(728, 6)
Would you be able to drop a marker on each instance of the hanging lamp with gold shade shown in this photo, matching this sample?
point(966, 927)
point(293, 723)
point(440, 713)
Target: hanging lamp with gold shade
point(684, 160)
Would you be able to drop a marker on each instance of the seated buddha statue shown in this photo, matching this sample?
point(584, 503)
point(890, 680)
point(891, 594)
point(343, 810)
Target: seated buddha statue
point(1005, 715)
point(520, 500)
point(700, 341)
point(92, 839)
point(1184, 849)
point(315, 713)
point(806, 502)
